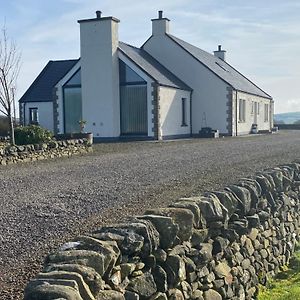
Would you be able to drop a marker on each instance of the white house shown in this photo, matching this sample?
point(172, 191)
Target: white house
point(166, 88)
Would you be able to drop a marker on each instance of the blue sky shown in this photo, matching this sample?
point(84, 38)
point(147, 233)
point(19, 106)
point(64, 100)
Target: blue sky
point(262, 38)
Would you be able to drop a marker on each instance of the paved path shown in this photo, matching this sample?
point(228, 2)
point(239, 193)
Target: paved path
point(45, 203)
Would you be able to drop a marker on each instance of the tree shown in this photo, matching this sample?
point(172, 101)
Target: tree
point(10, 58)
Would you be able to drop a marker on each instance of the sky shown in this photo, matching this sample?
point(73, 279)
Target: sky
point(262, 38)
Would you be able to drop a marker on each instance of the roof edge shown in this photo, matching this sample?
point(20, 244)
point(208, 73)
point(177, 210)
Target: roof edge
point(268, 96)
point(21, 100)
point(188, 88)
point(171, 38)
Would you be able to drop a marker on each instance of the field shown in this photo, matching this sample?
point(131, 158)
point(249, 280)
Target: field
point(286, 285)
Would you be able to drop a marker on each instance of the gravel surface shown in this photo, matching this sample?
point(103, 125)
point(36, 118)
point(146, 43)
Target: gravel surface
point(48, 202)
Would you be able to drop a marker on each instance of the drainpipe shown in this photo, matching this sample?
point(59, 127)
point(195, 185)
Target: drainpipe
point(191, 123)
point(236, 114)
point(24, 114)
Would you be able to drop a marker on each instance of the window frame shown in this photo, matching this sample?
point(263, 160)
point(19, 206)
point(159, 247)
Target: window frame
point(242, 110)
point(31, 120)
point(266, 112)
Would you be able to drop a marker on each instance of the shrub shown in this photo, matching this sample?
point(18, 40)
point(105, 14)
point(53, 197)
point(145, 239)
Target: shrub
point(32, 134)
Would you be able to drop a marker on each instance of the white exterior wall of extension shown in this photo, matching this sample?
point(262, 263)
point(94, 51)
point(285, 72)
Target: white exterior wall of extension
point(209, 100)
point(255, 113)
point(45, 113)
point(149, 81)
point(170, 111)
point(100, 76)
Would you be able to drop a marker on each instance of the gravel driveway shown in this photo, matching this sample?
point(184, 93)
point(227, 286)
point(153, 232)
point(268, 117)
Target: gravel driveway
point(45, 203)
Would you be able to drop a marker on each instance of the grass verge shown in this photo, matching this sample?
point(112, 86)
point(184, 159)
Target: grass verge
point(286, 285)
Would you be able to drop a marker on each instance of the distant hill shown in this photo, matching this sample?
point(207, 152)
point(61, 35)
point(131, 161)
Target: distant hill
point(287, 118)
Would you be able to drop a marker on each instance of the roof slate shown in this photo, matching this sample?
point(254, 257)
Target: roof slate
point(152, 67)
point(222, 69)
point(42, 88)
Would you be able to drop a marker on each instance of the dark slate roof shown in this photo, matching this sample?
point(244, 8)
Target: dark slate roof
point(152, 67)
point(222, 69)
point(42, 88)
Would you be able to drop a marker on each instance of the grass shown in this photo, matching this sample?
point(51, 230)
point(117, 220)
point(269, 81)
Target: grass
point(286, 285)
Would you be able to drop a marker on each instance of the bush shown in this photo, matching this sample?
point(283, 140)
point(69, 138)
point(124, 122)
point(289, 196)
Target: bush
point(32, 134)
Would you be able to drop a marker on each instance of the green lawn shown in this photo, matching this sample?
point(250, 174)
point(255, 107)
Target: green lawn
point(286, 285)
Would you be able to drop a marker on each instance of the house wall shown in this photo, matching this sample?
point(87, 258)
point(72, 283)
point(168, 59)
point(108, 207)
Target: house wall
point(209, 92)
point(45, 113)
point(245, 126)
point(170, 111)
point(100, 77)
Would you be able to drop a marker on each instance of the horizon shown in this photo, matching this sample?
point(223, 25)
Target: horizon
point(265, 33)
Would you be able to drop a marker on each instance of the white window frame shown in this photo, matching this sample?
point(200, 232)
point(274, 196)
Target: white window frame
point(266, 116)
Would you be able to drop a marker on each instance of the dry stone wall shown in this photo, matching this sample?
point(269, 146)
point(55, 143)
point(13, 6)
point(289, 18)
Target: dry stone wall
point(219, 245)
point(53, 149)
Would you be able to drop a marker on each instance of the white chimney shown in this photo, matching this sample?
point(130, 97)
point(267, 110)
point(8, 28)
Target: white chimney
point(220, 53)
point(160, 26)
point(100, 75)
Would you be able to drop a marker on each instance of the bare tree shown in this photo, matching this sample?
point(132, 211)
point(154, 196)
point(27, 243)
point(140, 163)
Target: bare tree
point(10, 58)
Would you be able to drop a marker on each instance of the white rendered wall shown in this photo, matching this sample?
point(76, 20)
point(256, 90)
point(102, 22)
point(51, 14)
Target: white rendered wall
point(100, 77)
point(245, 127)
point(170, 104)
point(209, 92)
point(45, 113)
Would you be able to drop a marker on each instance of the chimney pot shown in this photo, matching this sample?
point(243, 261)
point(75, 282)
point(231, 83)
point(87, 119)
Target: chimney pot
point(219, 48)
point(160, 14)
point(98, 14)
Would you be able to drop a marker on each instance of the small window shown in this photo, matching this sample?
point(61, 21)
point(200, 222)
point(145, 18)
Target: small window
point(266, 113)
point(183, 112)
point(33, 116)
point(242, 110)
point(252, 107)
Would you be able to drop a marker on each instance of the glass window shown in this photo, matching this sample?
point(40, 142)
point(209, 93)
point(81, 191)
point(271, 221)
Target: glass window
point(266, 112)
point(72, 109)
point(128, 76)
point(75, 79)
point(33, 116)
point(183, 112)
point(242, 110)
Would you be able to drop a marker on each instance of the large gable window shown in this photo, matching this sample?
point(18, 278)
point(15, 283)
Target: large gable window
point(72, 103)
point(133, 102)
